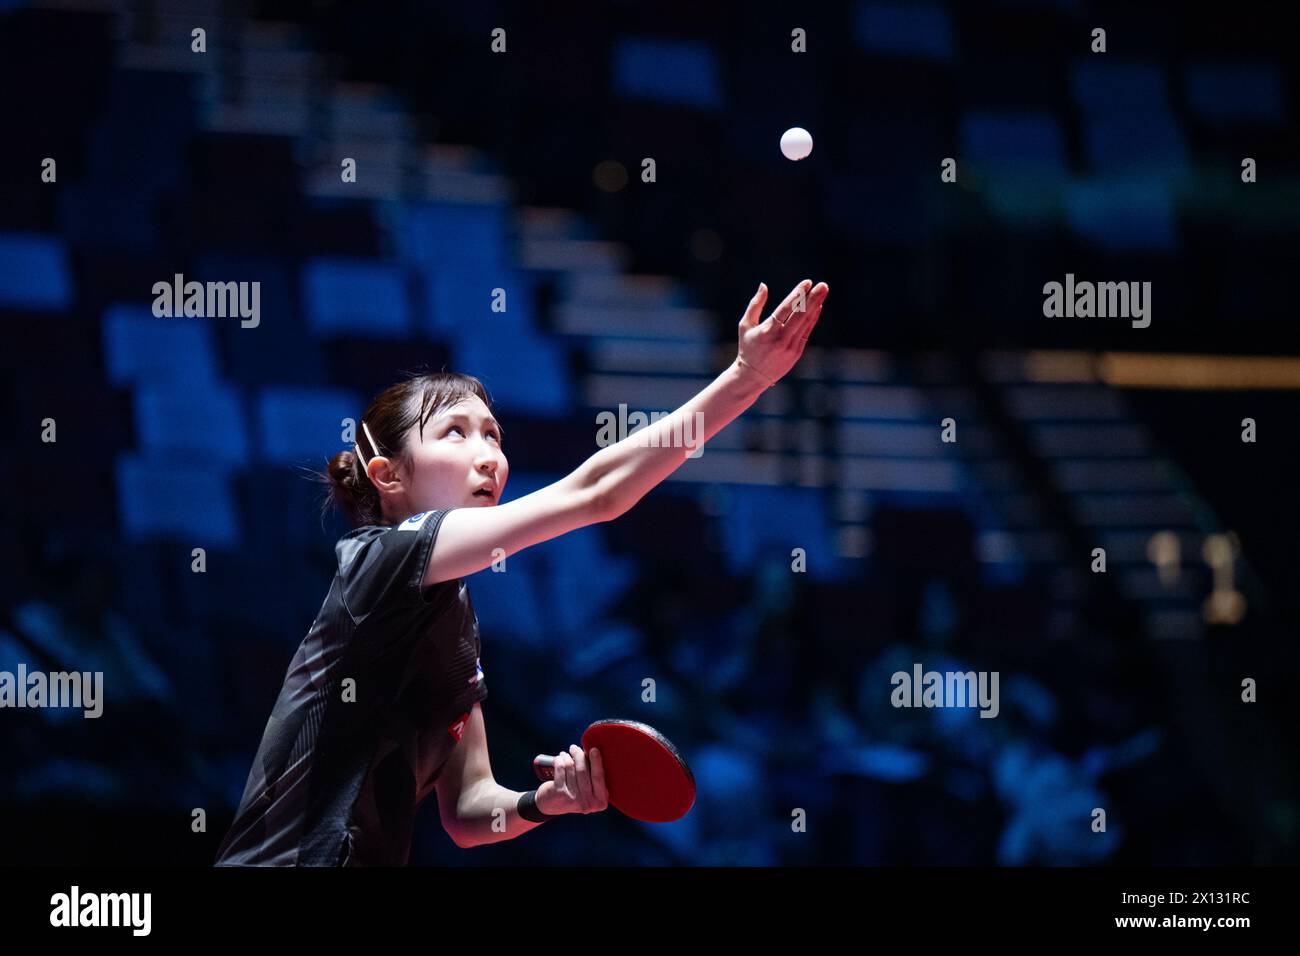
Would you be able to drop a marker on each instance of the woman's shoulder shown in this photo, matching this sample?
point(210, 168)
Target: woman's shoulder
point(365, 532)
point(377, 561)
point(415, 522)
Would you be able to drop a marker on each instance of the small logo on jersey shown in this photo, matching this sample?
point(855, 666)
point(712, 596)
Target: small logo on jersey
point(478, 672)
point(457, 729)
point(413, 523)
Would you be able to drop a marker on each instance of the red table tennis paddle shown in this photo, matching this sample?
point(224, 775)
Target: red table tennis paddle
point(646, 777)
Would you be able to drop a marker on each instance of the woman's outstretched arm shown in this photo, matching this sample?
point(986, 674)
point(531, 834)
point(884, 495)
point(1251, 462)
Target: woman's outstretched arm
point(626, 471)
point(615, 478)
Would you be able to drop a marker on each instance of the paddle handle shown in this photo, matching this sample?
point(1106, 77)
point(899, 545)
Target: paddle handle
point(544, 767)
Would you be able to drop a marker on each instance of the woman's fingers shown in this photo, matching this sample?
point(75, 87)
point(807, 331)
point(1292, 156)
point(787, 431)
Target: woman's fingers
point(598, 780)
point(781, 316)
point(801, 322)
point(755, 307)
point(582, 775)
point(563, 773)
point(580, 781)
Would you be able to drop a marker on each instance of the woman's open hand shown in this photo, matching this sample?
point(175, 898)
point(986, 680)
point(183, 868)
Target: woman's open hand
point(773, 346)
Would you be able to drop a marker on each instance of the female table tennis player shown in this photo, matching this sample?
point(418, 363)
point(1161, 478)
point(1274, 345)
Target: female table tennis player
point(381, 703)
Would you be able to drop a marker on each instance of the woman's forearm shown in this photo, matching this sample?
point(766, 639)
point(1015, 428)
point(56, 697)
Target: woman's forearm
point(625, 471)
point(479, 811)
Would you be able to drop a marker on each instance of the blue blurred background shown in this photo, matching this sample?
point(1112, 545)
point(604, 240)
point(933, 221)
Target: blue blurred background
point(522, 171)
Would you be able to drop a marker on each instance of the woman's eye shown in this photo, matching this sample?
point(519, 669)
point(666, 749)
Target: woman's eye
point(455, 428)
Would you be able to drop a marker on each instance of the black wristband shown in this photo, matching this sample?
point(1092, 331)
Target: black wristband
point(528, 808)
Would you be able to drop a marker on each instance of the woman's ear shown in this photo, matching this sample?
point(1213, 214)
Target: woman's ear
point(384, 475)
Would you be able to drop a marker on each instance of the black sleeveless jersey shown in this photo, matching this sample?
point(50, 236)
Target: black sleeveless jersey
point(374, 701)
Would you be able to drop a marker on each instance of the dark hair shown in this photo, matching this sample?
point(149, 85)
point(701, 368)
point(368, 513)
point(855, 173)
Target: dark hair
point(389, 417)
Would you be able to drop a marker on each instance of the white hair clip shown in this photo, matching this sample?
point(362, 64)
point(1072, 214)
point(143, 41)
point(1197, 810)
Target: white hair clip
point(373, 446)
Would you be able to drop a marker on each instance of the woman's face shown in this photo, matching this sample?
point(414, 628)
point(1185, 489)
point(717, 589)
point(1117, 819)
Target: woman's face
point(459, 455)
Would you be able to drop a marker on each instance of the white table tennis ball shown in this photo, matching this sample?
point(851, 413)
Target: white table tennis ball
point(796, 143)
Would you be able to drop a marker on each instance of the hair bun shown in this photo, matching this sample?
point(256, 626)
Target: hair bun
point(342, 468)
